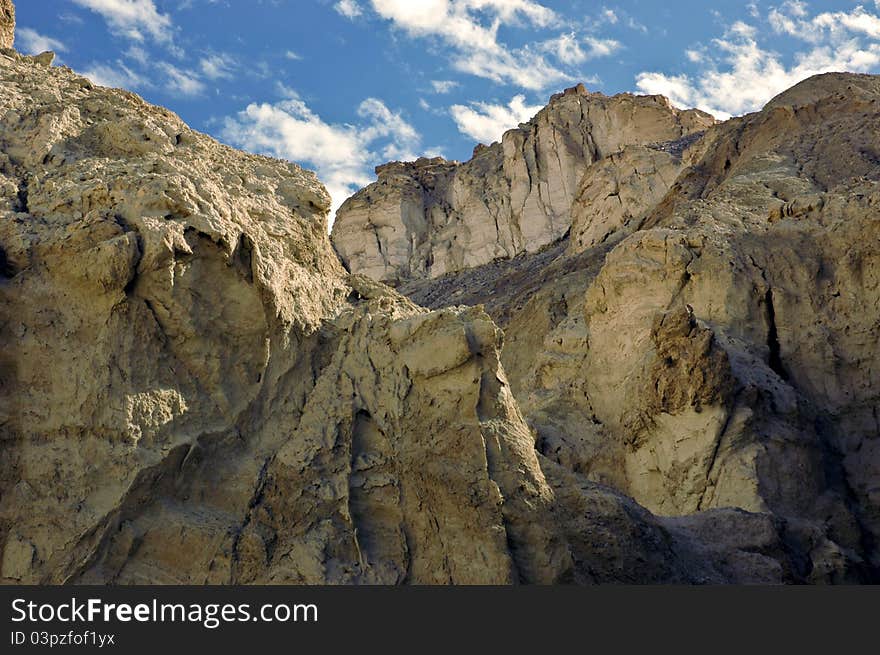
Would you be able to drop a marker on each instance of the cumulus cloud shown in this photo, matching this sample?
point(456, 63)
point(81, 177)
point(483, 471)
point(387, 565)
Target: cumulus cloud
point(343, 155)
point(32, 42)
point(134, 19)
point(486, 122)
point(738, 75)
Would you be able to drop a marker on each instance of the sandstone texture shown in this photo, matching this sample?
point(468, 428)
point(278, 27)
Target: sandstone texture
point(7, 23)
point(430, 217)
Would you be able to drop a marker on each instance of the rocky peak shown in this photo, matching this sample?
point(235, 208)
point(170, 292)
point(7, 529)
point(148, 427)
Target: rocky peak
point(577, 90)
point(7, 23)
point(430, 217)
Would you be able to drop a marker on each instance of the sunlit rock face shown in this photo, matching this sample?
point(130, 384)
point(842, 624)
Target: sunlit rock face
point(7, 23)
point(431, 217)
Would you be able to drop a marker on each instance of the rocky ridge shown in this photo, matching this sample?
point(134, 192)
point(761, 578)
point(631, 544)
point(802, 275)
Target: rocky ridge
point(426, 218)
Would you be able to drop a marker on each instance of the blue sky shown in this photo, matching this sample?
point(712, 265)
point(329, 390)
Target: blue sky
point(343, 85)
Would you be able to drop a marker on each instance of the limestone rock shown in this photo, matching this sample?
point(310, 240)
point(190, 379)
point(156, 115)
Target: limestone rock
point(713, 345)
point(430, 217)
point(616, 193)
point(7, 23)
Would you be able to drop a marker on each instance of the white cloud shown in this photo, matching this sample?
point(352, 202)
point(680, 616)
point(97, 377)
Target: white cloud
point(132, 18)
point(32, 42)
point(443, 86)
point(342, 154)
point(181, 82)
point(348, 8)
point(218, 67)
point(792, 18)
point(293, 56)
point(486, 122)
point(737, 75)
point(571, 50)
point(118, 77)
point(470, 28)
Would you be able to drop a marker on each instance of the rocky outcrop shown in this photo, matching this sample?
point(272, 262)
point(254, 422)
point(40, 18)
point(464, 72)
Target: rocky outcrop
point(7, 23)
point(430, 217)
point(716, 348)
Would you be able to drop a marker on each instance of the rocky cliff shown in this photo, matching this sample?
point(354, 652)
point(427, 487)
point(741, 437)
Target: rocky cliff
point(7, 23)
point(709, 340)
point(195, 390)
point(430, 217)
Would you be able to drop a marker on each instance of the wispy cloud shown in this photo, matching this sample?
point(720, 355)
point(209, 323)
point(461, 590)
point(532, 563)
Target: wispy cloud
point(470, 29)
point(117, 76)
point(348, 8)
point(342, 154)
point(738, 75)
point(572, 50)
point(218, 66)
point(486, 122)
point(443, 86)
point(181, 82)
point(32, 42)
point(134, 19)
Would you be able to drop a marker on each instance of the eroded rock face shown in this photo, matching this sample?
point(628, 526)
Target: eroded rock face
point(194, 390)
point(431, 217)
point(7, 23)
point(714, 345)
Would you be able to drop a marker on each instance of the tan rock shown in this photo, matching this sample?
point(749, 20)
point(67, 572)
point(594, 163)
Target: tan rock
point(431, 217)
point(7, 23)
point(195, 391)
point(717, 349)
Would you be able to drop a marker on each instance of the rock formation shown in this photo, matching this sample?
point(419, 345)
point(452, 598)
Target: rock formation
point(714, 345)
point(7, 23)
point(195, 390)
point(431, 216)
